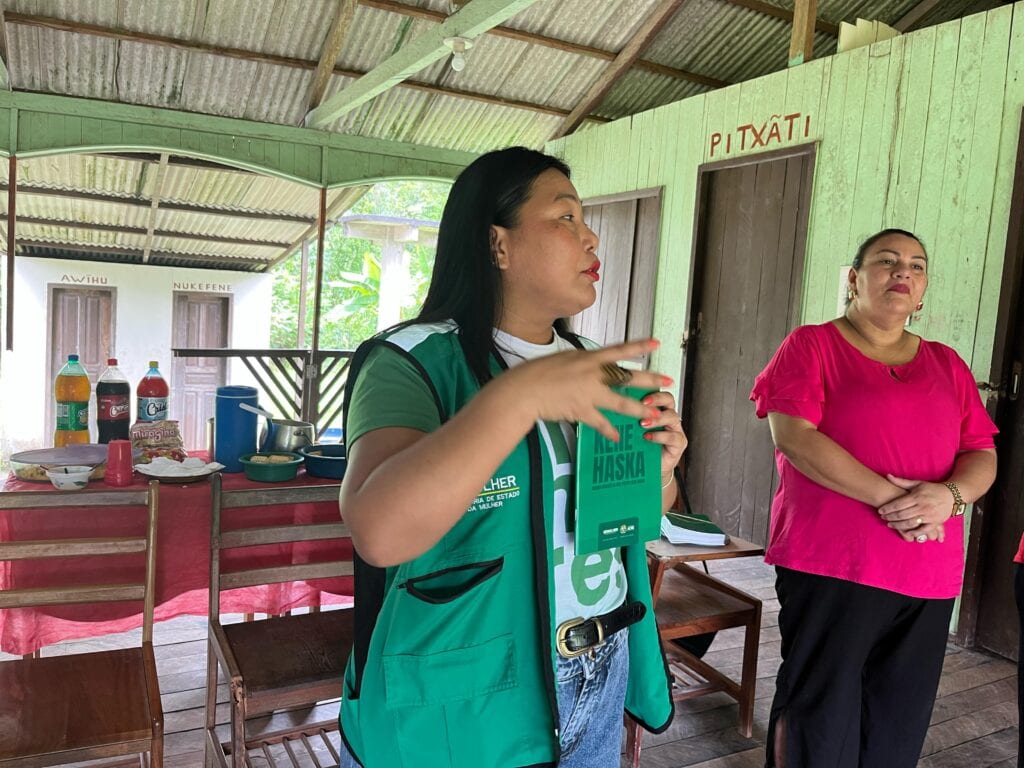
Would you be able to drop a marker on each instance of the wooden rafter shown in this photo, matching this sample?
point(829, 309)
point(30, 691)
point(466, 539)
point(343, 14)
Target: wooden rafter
point(652, 25)
point(782, 13)
point(475, 18)
point(908, 20)
point(533, 38)
point(801, 44)
point(154, 206)
point(170, 233)
point(294, 63)
point(136, 254)
point(349, 196)
point(101, 197)
point(335, 40)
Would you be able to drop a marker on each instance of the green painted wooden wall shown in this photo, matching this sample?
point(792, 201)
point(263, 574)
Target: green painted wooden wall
point(40, 124)
point(918, 132)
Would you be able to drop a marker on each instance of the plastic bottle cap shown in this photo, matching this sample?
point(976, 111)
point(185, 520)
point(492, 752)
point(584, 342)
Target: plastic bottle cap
point(72, 358)
point(153, 364)
point(111, 361)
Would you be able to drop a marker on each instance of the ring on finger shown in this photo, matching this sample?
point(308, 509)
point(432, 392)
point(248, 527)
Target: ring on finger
point(614, 375)
point(921, 538)
point(918, 521)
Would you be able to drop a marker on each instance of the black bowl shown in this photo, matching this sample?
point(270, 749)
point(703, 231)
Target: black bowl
point(325, 460)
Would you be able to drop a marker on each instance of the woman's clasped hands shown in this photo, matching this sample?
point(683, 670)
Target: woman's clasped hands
point(921, 513)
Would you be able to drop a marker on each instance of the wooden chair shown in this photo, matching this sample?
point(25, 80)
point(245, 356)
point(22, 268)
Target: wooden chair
point(689, 602)
point(103, 704)
point(282, 662)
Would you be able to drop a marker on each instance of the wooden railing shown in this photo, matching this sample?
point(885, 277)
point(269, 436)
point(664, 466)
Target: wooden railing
point(302, 384)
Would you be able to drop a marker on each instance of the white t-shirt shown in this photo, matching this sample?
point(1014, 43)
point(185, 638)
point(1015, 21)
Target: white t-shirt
point(588, 585)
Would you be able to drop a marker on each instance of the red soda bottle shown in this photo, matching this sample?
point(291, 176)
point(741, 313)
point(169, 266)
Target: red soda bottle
point(113, 404)
point(152, 394)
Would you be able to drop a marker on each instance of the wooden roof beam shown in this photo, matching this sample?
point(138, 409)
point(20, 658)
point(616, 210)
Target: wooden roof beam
point(120, 228)
point(820, 25)
point(242, 54)
point(652, 25)
point(549, 42)
point(102, 197)
point(910, 19)
point(801, 43)
point(175, 161)
point(154, 206)
point(341, 25)
point(475, 18)
point(134, 253)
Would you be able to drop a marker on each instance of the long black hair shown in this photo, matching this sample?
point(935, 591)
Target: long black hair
point(466, 282)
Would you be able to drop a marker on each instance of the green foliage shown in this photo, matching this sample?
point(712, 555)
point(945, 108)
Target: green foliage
point(351, 277)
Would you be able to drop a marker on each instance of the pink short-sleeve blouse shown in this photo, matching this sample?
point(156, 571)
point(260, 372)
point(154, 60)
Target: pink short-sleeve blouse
point(909, 420)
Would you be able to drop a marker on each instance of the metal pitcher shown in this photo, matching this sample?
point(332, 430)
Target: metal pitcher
point(286, 435)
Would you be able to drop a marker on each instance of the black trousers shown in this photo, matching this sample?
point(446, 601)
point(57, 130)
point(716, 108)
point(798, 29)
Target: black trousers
point(1018, 592)
point(860, 669)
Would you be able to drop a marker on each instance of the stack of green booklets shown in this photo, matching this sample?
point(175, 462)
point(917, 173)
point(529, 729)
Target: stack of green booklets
point(618, 485)
point(681, 528)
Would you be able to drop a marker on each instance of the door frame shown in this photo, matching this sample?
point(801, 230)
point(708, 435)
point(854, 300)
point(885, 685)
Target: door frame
point(704, 172)
point(49, 414)
point(1010, 303)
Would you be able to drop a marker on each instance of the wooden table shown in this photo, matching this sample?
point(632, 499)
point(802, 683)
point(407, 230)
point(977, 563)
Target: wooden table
point(183, 561)
point(689, 602)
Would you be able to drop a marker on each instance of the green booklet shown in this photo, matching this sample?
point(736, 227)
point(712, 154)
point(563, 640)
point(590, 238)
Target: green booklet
point(618, 485)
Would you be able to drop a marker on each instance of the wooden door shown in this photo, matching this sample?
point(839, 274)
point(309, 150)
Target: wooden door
point(200, 321)
point(81, 322)
point(748, 263)
point(988, 616)
point(627, 226)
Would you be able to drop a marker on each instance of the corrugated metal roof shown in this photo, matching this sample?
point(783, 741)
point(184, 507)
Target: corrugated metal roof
point(710, 38)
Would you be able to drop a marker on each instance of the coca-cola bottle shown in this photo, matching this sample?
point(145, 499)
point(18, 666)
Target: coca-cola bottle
point(152, 393)
point(113, 404)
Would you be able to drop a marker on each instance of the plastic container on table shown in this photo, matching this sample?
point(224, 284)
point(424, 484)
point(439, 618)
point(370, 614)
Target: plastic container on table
point(234, 429)
point(271, 467)
point(152, 394)
point(71, 390)
point(113, 404)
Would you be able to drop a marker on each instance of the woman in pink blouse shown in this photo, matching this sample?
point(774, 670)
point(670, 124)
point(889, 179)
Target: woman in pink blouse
point(880, 441)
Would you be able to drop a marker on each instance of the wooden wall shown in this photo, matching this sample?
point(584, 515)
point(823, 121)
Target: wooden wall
point(918, 132)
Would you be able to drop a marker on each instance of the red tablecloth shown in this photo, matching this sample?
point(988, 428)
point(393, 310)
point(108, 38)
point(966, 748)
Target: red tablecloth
point(182, 568)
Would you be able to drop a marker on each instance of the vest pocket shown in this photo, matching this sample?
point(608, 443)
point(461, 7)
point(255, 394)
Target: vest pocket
point(451, 583)
point(461, 673)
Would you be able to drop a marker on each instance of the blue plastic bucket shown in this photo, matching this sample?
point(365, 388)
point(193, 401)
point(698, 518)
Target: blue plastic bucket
point(234, 429)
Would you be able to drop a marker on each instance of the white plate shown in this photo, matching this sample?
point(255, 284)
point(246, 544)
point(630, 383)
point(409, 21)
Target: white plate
point(142, 469)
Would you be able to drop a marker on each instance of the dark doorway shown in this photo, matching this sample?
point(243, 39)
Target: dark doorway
point(201, 321)
point(81, 323)
point(748, 266)
point(998, 519)
point(628, 227)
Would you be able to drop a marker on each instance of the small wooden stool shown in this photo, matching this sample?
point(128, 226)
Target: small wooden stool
point(689, 602)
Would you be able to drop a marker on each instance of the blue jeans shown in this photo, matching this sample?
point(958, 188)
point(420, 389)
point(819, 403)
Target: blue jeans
point(591, 697)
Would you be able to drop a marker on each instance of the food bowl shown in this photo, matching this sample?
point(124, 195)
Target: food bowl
point(325, 460)
point(69, 478)
point(270, 467)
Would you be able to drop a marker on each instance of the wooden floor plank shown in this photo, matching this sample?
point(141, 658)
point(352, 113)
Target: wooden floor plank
point(973, 725)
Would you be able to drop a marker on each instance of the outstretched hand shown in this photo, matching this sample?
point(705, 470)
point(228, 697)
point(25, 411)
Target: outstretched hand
point(922, 511)
point(571, 386)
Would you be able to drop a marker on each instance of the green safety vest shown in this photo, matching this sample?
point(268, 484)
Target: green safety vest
point(454, 656)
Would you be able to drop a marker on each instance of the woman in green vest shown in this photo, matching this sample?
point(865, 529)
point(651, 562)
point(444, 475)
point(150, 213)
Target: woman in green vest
point(482, 640)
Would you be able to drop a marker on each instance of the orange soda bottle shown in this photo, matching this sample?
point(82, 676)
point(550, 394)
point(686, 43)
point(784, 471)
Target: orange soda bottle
point(71, 391)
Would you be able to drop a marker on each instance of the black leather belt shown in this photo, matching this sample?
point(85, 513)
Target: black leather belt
point(577, 636)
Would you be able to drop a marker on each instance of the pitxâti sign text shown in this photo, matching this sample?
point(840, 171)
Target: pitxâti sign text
point(775, 131)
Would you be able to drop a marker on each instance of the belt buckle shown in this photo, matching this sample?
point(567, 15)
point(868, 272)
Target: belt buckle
point(563, 630)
